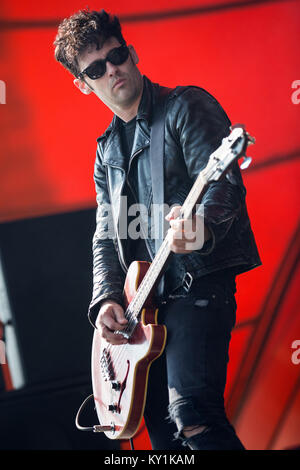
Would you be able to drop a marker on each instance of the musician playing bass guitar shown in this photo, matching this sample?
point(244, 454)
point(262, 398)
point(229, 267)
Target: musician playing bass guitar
point(185, 388)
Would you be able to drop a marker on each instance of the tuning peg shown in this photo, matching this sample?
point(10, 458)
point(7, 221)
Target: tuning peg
point(251, 140)
point(245, 163)
point(237, 125)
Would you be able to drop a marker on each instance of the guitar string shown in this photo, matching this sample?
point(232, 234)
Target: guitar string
point(147, 279)
point(149, 276)
point(134, 317)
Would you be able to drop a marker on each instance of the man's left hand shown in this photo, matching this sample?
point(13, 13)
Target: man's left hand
point(186, 235)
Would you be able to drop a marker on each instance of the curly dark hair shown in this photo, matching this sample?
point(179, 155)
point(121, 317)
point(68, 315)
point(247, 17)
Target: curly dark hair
point(82, 30)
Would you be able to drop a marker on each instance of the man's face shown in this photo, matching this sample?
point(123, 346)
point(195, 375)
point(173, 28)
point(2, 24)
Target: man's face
point(120, 85)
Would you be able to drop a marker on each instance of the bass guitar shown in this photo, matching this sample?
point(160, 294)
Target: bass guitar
point(120, 372)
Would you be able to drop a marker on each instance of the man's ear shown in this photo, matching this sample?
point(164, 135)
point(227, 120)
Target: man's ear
point(133, 54)
point(82, 86)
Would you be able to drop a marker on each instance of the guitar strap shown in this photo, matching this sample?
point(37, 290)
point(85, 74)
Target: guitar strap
point(157, 139)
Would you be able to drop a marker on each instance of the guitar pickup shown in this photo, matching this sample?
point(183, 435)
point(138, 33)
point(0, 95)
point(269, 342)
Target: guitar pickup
point(107, 366)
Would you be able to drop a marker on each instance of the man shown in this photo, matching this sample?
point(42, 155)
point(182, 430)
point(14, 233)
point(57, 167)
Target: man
point(197, 305)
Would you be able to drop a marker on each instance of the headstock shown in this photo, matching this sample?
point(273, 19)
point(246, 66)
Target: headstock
point(233, 147)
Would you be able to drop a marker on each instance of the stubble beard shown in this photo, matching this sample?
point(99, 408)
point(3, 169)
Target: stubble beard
point(127, 96)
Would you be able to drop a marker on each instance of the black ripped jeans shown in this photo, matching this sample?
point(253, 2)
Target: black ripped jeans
point(186, 384)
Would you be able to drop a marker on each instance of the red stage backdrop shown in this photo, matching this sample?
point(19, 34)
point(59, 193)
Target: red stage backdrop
point(246, 54)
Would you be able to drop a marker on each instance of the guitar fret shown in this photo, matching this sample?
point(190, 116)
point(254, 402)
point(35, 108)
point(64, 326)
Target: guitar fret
point(149, 280)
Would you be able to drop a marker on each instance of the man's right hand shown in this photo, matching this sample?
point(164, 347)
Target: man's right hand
point(111, 318)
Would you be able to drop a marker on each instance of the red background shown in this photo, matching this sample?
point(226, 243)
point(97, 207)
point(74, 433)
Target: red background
point(247, 57)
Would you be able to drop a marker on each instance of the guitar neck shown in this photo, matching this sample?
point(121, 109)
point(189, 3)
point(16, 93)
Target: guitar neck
point(160, 261)
point(232, 148)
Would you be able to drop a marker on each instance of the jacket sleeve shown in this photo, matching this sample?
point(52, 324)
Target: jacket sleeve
point(199, 127)
point(108, 276)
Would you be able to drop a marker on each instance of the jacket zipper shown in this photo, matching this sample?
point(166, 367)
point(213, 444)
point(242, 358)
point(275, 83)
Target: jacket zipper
point(135, 198)
point(119, 246)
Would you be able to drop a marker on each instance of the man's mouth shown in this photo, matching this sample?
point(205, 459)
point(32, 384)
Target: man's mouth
point(119, 82)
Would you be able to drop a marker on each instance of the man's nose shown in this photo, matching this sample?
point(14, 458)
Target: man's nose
point(111, 69)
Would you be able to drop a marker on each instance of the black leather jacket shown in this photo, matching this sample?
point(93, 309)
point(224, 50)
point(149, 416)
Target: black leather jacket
point(194, 128)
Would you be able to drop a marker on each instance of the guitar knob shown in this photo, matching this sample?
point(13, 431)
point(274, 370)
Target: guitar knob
point(113, 408)
point(116, 385)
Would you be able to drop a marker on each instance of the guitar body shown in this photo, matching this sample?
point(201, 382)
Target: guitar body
point(120, 372)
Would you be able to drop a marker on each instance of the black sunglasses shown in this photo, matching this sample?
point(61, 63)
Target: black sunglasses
point(97, 69)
